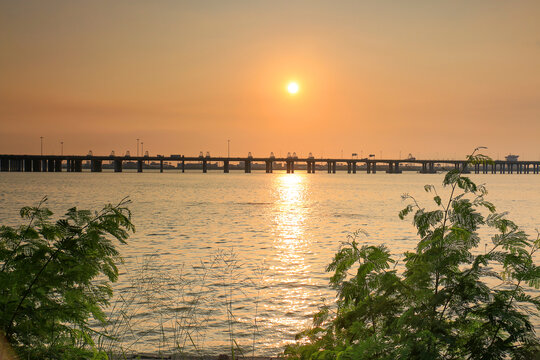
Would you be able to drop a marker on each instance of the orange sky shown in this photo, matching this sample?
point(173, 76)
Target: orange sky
point(431, 78)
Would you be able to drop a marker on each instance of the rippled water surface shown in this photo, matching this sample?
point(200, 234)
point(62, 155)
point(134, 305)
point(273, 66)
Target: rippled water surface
point(242, 253)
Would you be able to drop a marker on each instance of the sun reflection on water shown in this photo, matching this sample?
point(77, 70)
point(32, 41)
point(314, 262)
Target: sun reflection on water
point(290, 211)
point(293, 284)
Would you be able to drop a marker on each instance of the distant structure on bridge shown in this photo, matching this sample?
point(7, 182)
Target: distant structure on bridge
point(511, 158)
point(75, 163)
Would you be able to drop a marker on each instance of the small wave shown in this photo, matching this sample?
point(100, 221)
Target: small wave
point(349, 216)
point(254, 203)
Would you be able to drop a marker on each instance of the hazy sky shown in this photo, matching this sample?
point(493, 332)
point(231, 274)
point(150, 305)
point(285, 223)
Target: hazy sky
point(431, 78)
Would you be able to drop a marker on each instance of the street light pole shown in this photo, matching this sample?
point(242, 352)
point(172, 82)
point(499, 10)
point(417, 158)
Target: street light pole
point(137, 147)
point(142, 148)
point(41, 141)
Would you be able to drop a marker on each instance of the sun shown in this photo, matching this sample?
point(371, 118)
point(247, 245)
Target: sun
point(293, 88)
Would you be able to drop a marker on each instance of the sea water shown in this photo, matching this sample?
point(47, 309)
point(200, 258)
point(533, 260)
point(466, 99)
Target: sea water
point(220, 259)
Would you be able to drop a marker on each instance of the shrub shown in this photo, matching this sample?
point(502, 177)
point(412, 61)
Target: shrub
point(442, 305)
point(55, 277)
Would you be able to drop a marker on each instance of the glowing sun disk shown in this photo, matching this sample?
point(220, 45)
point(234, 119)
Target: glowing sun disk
point(293, 87)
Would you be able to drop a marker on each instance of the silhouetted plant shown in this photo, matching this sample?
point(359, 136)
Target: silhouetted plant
point(444, 304)
point(55, 277)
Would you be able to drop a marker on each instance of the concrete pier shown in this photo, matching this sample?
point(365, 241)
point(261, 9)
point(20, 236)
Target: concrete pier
point(117, 165)
point(290, 166)
point(269, 166)
point(204, 166)
point(160, 166)
point(96, 165)
point(226, 166)
point(139, 165)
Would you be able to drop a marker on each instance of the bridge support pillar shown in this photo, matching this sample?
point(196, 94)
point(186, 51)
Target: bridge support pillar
point(96, 165)
point(36, 165)
point(160, 166)
point(354, 167)
point(226, 166)
point(334, 165)
point(349, 167)
point(204, 166)
point(374, 168)
point(28, 165)
point(313, 167)
point(44, 165)
point(329, 164)
point(139, 165)
point(390, 168)
point(269, 166)
point(77, 165)
point(247, 166)
point(58, 165)
point(183, 166)
point(50, 165)
point(368, 167)
point(117, 165)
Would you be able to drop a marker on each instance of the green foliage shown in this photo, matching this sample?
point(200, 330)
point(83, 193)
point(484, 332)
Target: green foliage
point(451, 300)
point(55, 277)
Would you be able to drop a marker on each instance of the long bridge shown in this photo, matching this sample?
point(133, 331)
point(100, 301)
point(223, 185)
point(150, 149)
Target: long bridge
point(76, 163)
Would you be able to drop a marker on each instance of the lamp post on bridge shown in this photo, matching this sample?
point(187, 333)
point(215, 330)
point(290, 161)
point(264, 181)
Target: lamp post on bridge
point(41, 143)
point(138, 147)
